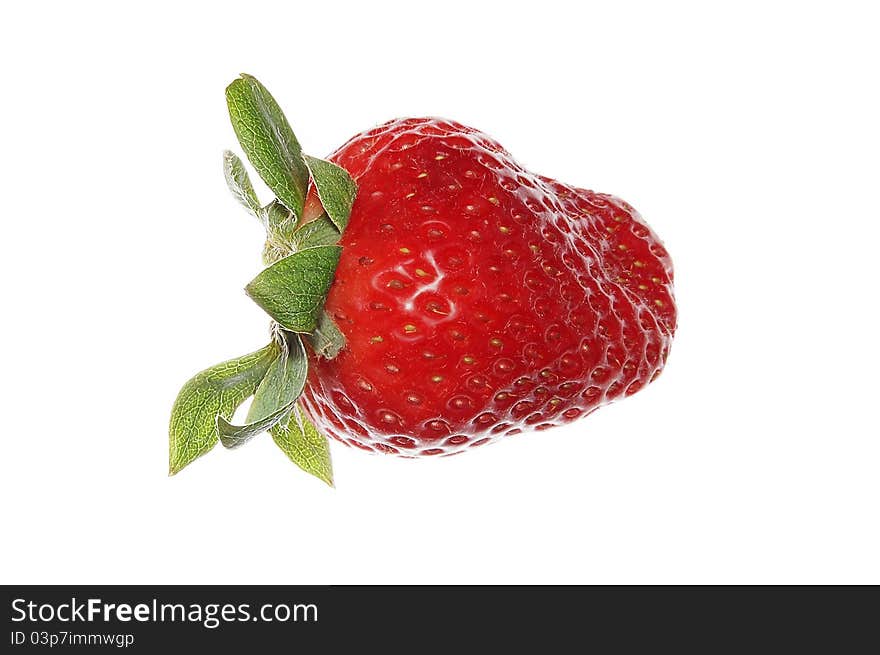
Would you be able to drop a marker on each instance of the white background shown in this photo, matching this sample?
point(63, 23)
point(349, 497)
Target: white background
point(746, 136)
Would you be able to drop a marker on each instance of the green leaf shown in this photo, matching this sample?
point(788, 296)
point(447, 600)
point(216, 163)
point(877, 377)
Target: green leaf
point(326, 340)
point(319, 232)
point(215, 392)
point(285, 380)
point(293, 289)
point(304, 445)
point(239, 183)
point(233, 436)
point(268, 141)
point(274, 397)
point(335, 188)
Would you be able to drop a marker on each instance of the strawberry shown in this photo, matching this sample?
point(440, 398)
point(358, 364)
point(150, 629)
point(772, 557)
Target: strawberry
point(478, 299)
point(428, 295)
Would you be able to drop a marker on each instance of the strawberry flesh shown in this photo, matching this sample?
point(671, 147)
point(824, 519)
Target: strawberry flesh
point(479, 300)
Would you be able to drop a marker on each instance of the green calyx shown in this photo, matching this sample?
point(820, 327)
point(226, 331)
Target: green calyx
point(301, 259)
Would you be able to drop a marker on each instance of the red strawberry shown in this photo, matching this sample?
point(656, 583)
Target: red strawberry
point(478, 300)
point(427, 294)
